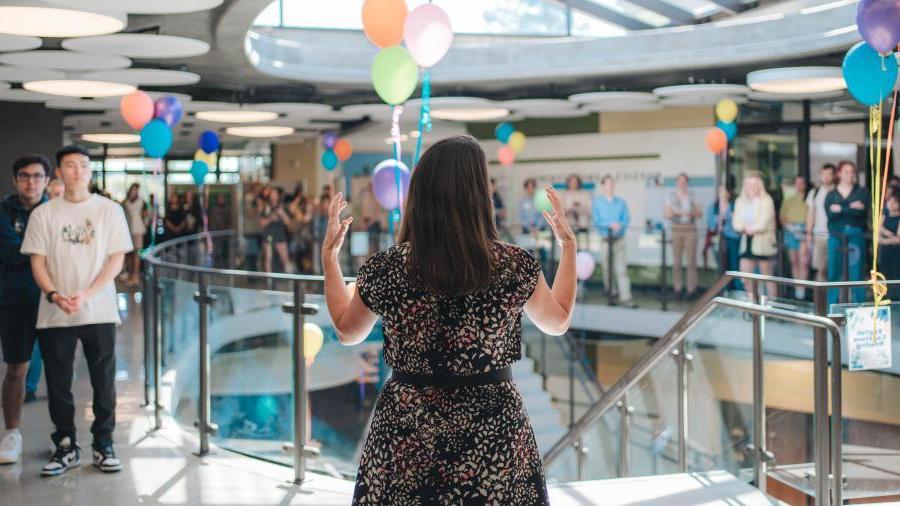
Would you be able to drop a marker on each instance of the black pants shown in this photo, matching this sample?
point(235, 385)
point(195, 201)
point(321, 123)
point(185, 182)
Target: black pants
point(58, 347)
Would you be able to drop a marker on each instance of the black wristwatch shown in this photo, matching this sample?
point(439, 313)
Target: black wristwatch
point(50, 296)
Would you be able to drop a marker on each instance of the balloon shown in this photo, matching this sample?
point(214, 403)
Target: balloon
point(506, 156)
point(209, 141)
point(716, 140)
point(329, 159)
point(517, 142)
point(428, 34)
point(584, 265)
point(329, 139)
point(394, 74)
point(870, 77)
point(156, 138)
point(504, 131)
point(383, 21)
point(208, 158)
point(726, 110)
point(730, 129)
point(313, 339)
point(542, 201)
point(199, 170)
point(879, 23)
point(136, 109)
point(384, 183)
point(343, 149)
point(168, 109)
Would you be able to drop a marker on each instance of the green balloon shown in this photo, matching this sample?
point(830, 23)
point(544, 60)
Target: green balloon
point(542, 201)
point(394, 74)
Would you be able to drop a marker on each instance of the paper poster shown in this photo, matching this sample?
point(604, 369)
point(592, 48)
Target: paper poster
point(868, 344)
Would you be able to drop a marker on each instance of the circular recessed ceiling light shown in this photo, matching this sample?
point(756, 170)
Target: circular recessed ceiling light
point(260, 131)
point(43, 19)
point(447, 102)
point(556, 113)
point(623, 106)
point(204, 105)
point(606, 97)
point(469, 113)
point(142, 6)
point(699, 100)
point(531, 104)
point(293, 108)
point(111, 138)
point(20, 95)
point(761, 96)
point(682, 90)
point(139, 45)
point(237, 116)
point(65, 60)
point(79, 88)
point(797, 80)
point(19, 42)
point(146, 77)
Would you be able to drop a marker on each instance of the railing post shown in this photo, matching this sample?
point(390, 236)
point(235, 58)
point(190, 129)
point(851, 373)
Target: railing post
point(681, 360)
point(571, 360)
point(845, 273)
point(205, 427)
point(609, 266)
point(759, 400)
point(837, 432)
point(147, 309)
point(662, 271)
point(157, 347)
point(625, 411)
point(821, 435)
point(580, 456)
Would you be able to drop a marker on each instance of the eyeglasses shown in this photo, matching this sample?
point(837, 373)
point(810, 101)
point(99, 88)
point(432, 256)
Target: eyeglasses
point(23, 177)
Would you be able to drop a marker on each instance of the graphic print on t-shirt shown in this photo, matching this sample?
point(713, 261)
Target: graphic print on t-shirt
point(79, 234)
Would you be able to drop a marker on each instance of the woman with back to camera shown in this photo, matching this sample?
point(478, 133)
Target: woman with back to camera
point(450, 426)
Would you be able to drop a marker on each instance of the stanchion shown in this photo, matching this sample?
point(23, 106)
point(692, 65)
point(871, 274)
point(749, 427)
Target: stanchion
point(609, 267)
point(204, 426)
point(147, 310)
point(157, 347)
point(662, 271)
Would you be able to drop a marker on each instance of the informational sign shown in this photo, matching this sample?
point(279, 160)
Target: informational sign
point(869, 337)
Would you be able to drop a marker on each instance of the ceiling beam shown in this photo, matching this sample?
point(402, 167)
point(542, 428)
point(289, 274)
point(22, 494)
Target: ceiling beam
point(606, 14)
point(734, 6)
point(678, 15)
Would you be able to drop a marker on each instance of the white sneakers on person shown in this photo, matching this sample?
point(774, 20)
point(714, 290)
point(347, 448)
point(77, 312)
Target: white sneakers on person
point(11, 447)
point(66, 456)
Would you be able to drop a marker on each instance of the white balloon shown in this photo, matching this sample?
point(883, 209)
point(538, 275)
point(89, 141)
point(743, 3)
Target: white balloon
point(428, 34)
point(584, 265)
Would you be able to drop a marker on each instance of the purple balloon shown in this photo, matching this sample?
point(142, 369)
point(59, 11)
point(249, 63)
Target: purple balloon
point(385, 182)
point(879, 24)
point(168, 109)
point(329, 140)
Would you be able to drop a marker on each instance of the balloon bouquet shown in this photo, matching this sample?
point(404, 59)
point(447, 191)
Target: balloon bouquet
point(513, 143)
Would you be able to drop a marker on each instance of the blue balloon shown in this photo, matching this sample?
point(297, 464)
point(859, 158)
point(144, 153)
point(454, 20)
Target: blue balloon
point(329, 160)
point(156, 138)
point(503, 131)
point(870, 77)
point(168, 109)
point(199, 170)
point(729, 127)
point(209, 142)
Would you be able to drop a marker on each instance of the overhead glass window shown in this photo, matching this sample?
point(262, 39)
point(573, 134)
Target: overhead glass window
point(699, 8)
point(632, 11)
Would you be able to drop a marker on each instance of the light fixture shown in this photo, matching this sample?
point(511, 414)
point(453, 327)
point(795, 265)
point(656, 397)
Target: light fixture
point(43, 19)
point(112, 138)
point(260, 131)
point(797, 80)
point(469, 114)
point(79, 88)
point(237, 116)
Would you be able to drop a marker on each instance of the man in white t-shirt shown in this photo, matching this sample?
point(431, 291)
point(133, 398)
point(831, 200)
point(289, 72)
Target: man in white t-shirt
point(77, 244)
point(817, 222)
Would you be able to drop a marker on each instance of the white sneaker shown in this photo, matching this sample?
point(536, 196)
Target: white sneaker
point(11, 447)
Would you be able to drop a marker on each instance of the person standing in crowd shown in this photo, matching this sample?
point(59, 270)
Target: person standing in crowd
point(136, 214)
point(889, 250)
point(55, 188)
point(719, 222)
point(530, 218)
point(320, 223)
point(577, 203)
point(794, 213)
point(275, 224)
point(193, 220)
point(371, 214)
point(174, 222)
point(301, 212)
point(847, 208)
point(252, 230)
point(451, 403)
point(499, 207)
point(219, 213)
point(611, 218)
point(77, 245)
point(682, 209)
point(19, 296)
point(754, 218)
point(817, 222)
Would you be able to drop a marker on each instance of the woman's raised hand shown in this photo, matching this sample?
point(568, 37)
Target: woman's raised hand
point(558, 220)
point(337, 228)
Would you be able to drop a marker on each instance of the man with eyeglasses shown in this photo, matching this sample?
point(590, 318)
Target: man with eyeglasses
point(19, 295)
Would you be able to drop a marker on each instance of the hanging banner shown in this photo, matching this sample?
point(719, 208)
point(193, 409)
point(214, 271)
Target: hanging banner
point(869, 337)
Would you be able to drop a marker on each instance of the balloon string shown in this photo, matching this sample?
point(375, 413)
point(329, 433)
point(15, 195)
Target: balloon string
point(424, 115)
point(395, 135)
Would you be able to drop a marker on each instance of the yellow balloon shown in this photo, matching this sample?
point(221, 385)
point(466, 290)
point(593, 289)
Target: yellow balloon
point(517, 141)
point(313, 339)
point(209, 159)
point(726, 110)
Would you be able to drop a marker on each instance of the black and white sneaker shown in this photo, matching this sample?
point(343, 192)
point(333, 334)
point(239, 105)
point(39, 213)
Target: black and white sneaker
point(66, 456)
point(105, 457)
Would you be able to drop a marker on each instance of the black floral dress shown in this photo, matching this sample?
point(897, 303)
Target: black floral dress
point(462, 446)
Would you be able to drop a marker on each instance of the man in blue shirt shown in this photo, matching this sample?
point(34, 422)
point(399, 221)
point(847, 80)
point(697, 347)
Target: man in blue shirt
point(611, 219)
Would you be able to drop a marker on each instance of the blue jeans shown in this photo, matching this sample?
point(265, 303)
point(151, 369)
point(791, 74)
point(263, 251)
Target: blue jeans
point(34, 370)
point(856, 249)
point(733, 257)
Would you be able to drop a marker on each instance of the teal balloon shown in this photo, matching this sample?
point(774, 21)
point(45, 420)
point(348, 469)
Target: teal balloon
point(870, 77)
point(329, 160)
point(199, 170)
point(729, 127)
point(504, 131)
point(394, 74)
point(156, 138)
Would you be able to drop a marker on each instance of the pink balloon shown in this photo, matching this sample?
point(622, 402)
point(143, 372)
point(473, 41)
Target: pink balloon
point(584, 265)
point(137, 108)
point(506, 156)
point(428, 34)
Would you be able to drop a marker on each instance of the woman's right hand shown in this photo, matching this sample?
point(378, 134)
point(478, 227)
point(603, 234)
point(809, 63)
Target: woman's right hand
point(558, 220)
point(337, 229)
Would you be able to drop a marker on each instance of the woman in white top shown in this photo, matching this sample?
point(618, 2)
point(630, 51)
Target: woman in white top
point(754, 218)
point(136, 215)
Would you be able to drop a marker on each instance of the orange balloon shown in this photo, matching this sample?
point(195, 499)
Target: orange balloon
point(383, 21)
point(343, 149)
point(716, 140)
point(137, 109)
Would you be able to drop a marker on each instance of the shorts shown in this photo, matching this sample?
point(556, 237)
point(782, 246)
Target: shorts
point(748, 251)
point(17, 332)
point(138, 241)
point(794, 235)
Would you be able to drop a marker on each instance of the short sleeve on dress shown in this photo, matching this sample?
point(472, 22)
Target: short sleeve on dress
point(368, 279)
point(528, 271)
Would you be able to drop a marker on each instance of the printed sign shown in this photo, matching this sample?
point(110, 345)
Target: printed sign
point(869, 337)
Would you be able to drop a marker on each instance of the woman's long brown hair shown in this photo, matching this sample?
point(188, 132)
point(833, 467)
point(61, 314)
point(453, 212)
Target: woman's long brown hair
point(448, 218)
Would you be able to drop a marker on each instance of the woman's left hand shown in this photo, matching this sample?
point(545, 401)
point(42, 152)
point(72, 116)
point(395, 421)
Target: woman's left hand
point(337, 228)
